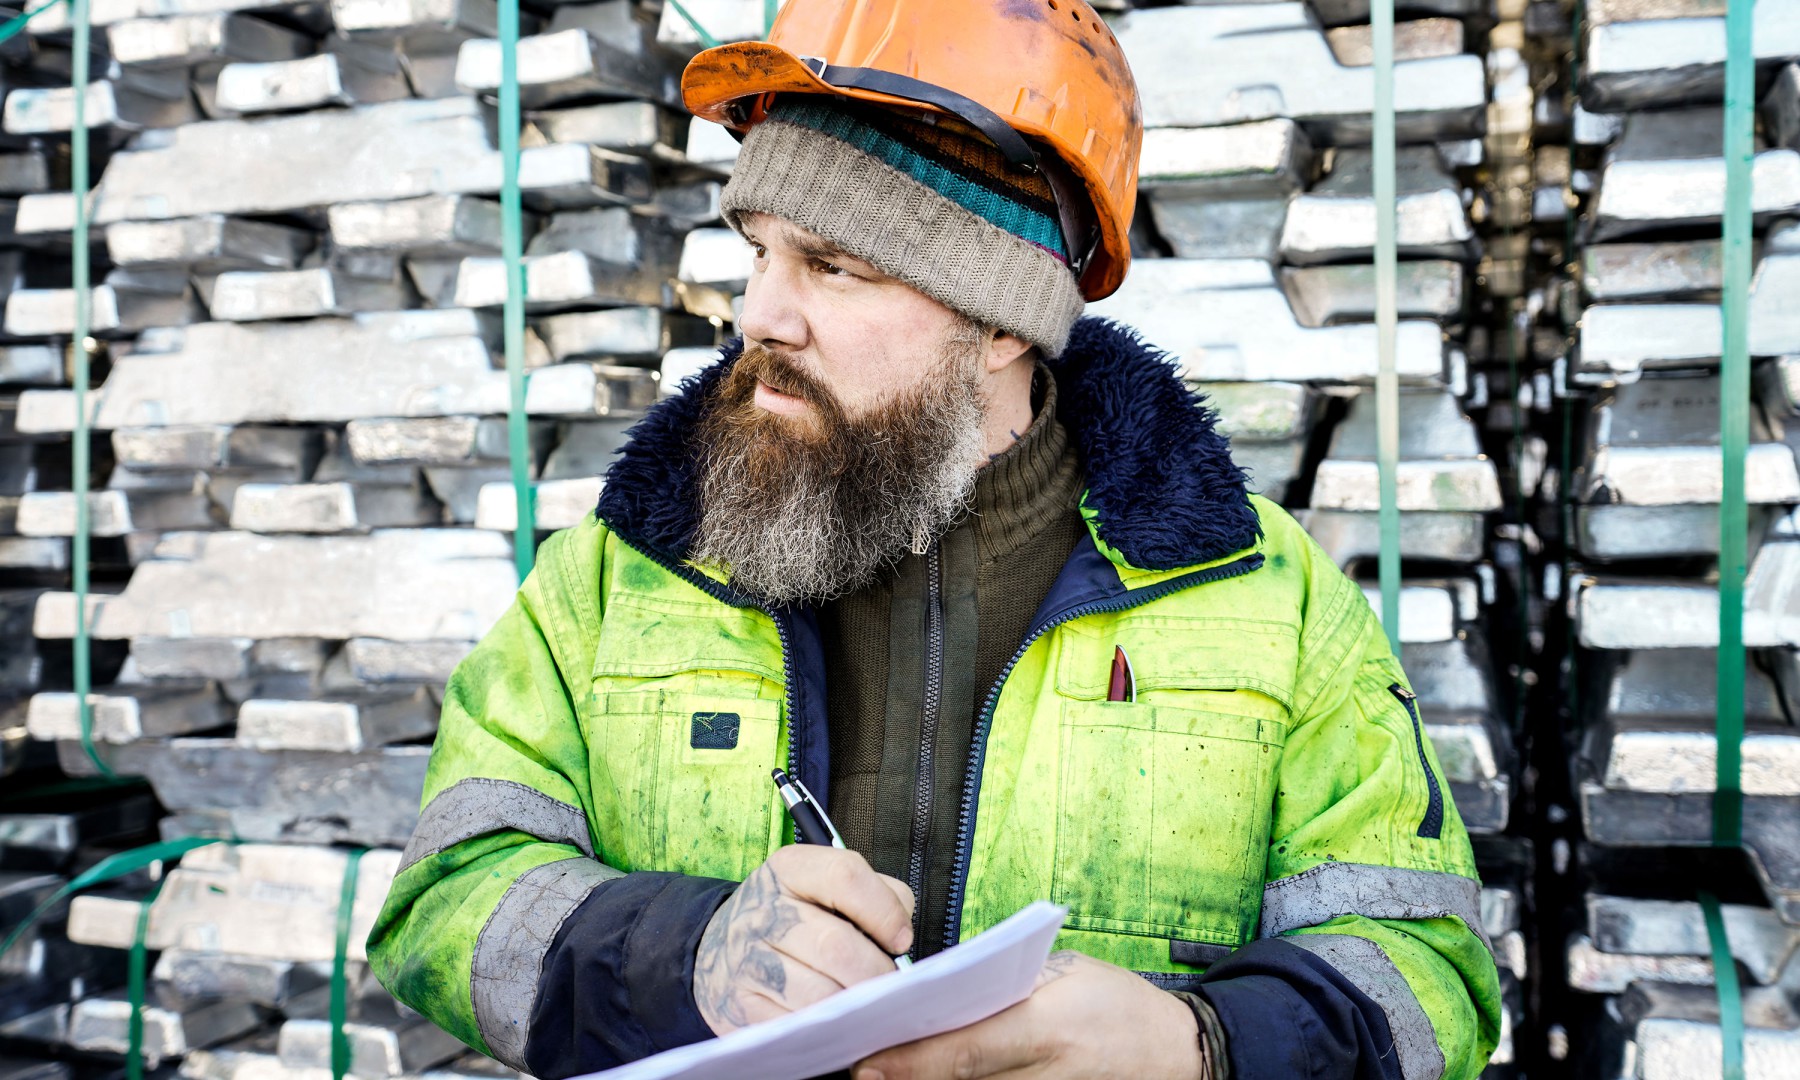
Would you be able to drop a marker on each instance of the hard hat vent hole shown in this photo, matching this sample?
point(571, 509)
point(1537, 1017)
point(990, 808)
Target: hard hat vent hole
point(1053, 6)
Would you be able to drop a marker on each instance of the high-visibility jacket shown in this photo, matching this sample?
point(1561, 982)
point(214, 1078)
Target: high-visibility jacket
point(1266, 824)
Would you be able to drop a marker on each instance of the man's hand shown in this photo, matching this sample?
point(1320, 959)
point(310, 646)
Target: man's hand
point(1085, 1019)
point(804, 925)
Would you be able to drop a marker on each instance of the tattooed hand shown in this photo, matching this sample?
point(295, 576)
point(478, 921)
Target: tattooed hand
point(807, 923)
point(1085, 1019)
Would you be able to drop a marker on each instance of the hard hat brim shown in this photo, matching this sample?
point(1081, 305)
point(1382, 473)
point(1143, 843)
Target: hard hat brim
point(716, 78)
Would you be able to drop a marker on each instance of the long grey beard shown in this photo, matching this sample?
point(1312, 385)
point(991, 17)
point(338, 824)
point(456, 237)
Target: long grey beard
point(804, 522)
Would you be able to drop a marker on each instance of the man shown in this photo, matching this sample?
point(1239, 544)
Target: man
point(896, 542)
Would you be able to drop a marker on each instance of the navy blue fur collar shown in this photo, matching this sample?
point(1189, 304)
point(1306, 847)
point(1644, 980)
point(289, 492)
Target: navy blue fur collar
point(1162, 489)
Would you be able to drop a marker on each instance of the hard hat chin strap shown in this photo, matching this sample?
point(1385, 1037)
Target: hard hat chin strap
point(1070, 195)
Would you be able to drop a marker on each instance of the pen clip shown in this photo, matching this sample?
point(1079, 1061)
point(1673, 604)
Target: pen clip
point(836, 840)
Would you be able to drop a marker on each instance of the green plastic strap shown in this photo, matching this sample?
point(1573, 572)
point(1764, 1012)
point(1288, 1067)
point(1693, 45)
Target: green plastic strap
point(1734, 422)
point(107, 869)
point(1725, 981)
point(134, 988)
point(706, 39)
point(81, 464)
point(1387, 317)
point(512, 247)
point(340, 990)
point(12, 26)
point(771, 8)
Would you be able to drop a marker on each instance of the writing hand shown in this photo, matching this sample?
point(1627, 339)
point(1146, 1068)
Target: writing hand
point(807, 923)
point(1085, 1019)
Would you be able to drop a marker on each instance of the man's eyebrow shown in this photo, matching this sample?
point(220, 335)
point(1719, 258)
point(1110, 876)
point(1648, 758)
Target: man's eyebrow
point(814, 248)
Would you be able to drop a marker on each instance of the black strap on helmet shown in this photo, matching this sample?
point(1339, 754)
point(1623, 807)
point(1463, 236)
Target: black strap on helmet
point(1069, 193)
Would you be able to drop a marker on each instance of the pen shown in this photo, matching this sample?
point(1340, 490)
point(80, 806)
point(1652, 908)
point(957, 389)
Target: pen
point(811, 826)
point(1122, 686)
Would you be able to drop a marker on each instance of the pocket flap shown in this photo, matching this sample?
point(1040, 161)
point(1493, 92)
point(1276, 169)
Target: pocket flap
point(648, 637)
point(1180, 653)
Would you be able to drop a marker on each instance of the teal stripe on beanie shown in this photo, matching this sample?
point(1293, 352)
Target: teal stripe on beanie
point(986, 203)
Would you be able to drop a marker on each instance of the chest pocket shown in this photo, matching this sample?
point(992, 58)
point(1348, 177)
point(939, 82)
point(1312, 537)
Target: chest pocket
point(685, 780)
point(1164, 803)
point(1163, 818)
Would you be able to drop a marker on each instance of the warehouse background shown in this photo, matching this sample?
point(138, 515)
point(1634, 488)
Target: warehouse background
point(302, 509)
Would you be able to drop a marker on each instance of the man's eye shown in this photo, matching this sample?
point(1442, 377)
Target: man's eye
point(833, 269)
point(758, 251)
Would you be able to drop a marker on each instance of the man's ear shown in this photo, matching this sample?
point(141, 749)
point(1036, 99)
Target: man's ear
point(1004, 349)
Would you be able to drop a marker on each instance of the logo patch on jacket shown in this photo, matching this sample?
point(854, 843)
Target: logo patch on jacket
point(714, 731)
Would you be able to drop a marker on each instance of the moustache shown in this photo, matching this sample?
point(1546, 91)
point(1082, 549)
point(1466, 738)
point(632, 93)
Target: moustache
point(781, 373)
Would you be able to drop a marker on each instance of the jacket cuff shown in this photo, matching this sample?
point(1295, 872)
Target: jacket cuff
point(1288, 1014)
point(617, 982)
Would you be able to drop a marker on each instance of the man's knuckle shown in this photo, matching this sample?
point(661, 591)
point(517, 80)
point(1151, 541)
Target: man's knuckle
point(843, 875)
point(966, 1064)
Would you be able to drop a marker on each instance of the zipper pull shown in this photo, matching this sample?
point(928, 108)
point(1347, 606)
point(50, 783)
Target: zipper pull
point(1402, 693)
point(920, 545)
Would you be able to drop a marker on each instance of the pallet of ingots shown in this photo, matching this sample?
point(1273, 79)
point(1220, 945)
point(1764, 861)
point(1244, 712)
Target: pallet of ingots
point(1652, 960)
point(1646, 771)
point(51, 831)
point(300, 291)
point(242, 940)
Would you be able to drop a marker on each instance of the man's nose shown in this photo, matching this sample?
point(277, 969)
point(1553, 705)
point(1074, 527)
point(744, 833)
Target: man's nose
point(772, 317)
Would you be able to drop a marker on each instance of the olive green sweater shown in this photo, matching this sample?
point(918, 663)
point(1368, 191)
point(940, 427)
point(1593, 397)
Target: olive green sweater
point(993, 568)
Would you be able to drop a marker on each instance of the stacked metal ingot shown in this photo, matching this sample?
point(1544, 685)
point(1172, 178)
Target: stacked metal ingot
point(1642, 166)
point(301, 482)
point(246, 939)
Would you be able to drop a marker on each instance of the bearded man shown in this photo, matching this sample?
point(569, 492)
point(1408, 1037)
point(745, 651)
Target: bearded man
point(901, 541)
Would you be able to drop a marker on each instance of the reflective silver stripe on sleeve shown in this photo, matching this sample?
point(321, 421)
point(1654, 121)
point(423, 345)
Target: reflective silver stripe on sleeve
point(1331, 889)
point(480, 805)
point(1369, 968)
point(509, 952)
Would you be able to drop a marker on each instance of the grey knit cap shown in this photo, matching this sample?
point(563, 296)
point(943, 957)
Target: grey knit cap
point(905, 228)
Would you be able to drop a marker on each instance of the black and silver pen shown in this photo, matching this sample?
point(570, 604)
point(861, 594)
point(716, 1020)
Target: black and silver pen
point(811, 826)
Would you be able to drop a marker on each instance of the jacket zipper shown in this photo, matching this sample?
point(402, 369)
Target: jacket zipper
point(726, 596)
point(923, 790)
point(965, 822)
point(1433, 824)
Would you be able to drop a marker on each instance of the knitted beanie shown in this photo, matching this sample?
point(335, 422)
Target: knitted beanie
point(925, 200)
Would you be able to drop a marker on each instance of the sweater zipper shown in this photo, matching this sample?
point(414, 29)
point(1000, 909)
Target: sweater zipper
point(726, 596)
point(965, 822)
point(928, 727)
point(1433, 824)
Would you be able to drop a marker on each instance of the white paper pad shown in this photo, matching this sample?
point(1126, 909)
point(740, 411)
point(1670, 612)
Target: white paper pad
point(952, 989)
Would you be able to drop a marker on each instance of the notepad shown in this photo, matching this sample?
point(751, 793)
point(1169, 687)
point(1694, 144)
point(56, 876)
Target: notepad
point(952, 989)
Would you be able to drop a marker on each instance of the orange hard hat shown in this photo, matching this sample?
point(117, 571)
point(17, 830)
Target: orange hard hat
point(1048, 69)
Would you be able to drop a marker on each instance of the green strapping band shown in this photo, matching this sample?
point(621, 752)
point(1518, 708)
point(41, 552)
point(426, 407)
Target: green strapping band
point(706, 39)
point(1734, 422)
point(1387, 317)
point(771, 8)
point(134, 988)
point(12, 26)
point(78, 545)
point(340, 990)
point(512, 249)
point(1725, 981)
point(113, 866)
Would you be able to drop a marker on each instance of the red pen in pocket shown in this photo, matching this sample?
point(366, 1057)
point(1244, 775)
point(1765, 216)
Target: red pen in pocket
point(1123, 684)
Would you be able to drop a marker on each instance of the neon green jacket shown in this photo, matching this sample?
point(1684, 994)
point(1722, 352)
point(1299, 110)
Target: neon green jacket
point(1265, 825)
